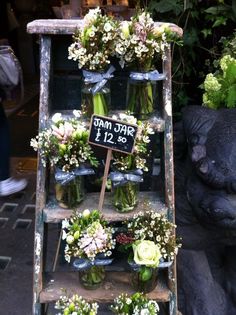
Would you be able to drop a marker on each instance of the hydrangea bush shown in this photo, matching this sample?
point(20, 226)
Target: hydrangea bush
point(220, 87)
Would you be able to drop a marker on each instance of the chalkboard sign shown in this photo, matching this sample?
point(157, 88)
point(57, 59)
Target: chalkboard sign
point(112, 134)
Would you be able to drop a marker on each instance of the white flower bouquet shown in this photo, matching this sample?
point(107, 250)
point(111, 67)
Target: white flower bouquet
point(89, 238)
point(149, 239)
point(128, 168)
point(75, 305)
point(136, 304)
point(93, 46)
point(136, 160)
point(64, 144)
point(139, 42)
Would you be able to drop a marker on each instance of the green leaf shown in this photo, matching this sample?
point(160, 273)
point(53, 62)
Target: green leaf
point(234, 9)
point(231, 99)
point(216, 9)
point(206, 32)
point(164, 6)
point(230, 74)
point(220, 20)
point(190, 37)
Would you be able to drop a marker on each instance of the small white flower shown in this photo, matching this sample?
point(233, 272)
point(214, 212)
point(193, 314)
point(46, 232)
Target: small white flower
point(70, 239)
point(86, 213)
point(145, 311)
point(108, 27)
point(56, 117)
point(76, 113)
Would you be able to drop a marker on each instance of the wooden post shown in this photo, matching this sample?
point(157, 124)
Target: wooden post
point(107, 166)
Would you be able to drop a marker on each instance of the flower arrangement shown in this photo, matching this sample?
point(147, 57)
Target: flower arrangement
point(88, 238)
point(154, 227)
point(87, 234)
point(65, 143)
point(75, 305)
point(220, 87)
point(139, 42)
point(95, 42)
point(136, 304)
point(136, 160)
point(93, 46)
point(149, 238)
point(128, 168)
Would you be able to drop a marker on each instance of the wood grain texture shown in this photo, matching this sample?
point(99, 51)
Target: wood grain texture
point(147, 201)
point(115, 283)
point(60, 26)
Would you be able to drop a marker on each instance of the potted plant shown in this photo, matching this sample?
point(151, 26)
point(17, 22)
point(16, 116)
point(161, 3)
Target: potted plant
point(92, 48)
point(90, 240)
point(134, 304)
point(151, 244)
point(128, 168)
point(75, 305)
point(64, 144)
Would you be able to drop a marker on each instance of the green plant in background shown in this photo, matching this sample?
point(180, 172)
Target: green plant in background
point(204, 23)
point(220, 87)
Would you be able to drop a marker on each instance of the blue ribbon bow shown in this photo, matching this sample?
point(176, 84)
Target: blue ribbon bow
point(65, 177)
point(99, 78)
point(119, 178)
point(147, 76)
point(84, 263)
point(162, 264)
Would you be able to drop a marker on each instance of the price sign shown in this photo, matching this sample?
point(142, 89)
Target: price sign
point(112, 134)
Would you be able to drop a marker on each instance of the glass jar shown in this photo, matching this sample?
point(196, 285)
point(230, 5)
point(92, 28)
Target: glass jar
point(144, 279)
point(98, 103)
point(92, 277)
point(140, 99)
point(71, 194)
point(125, 197)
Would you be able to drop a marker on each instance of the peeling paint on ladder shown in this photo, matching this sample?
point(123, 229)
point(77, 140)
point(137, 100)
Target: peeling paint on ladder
point(168, 108)
point(37, 244)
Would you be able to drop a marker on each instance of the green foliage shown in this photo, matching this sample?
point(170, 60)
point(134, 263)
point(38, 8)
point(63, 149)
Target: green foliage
point(204, 23)
point(220, 87)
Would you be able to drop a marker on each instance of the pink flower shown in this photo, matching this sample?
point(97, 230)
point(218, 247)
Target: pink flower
point(140, 32)
point(63, 132)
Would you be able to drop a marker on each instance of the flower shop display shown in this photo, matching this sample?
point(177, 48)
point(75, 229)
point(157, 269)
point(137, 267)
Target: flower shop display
point(64, 144)
point(220, 87)
point(90, 240)
point(75, 305)
point(93, 46)
point(150, 242)
point(136, 304)
point(128, 168)
point(138, 44)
